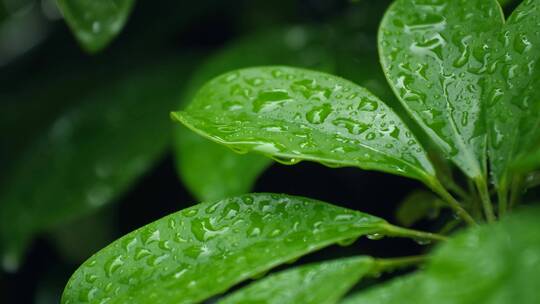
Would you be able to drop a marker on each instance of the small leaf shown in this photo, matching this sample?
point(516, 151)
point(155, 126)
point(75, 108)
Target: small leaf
point(95, 22)
point(418, 205)
point(321, 283)
point(428, 56)
point(89, 155)
point(498, 263)
point(202, 251)
point(209, 170)
point(294, 114)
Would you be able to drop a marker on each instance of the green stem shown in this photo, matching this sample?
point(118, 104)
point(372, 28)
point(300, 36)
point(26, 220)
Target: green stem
point(457, 189)
point(392, 230)
point(382, 265)
point(502, 195)
point(482, 188)
point(451, 201)
point(449, 226)
point(515, 191)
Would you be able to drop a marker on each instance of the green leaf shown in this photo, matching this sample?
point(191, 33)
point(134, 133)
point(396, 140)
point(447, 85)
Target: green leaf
point(95, 23)
point(505, 2)
point(211, 171)
point(512, 95)
point(428, 56)
point(418, 205)
point(492, 264)
point(202, 251)
point(321, 283)
point(294, 114)
point(90, 155)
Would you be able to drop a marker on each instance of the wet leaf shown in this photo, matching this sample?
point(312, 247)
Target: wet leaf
point(95, 23)
point(293, 114)
point(492, 264)
point(89, 155)
point(212, 171)
point(512, 95)
point(429, 56)
point(202, 251)
point(321, 283)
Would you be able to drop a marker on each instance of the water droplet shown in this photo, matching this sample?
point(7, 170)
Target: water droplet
point(375, 236)
point(318, 115)
point(269, 100)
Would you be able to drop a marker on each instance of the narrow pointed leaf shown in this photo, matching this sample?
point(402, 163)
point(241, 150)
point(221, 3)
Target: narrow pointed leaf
point(89, 155)
point(202, 251)
point(492, 264)
point(321, 283)
point(512, 96)
point(294, 114)
point(95, 22)
point(428, 56)
point(209, 170)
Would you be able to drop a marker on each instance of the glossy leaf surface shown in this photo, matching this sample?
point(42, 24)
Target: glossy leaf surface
point(321, 283)
point(202, 251)
point(512, 96)
point(95, 22)
point(498, 263)
point(430, 58)
point(212, 171)
point(89, 155)
point(294, 114)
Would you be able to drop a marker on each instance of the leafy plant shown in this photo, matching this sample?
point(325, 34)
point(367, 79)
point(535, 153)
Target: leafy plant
point(465, 75)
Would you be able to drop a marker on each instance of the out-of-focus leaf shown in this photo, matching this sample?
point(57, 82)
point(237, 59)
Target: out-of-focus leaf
point(95, 22)
point(418, 205)
point(202, 251)
point(89, 155)
point(212, 171)
point(294, 114)
point(426, 52)
point(492, 264)
point(321, 283)
point(505, 2)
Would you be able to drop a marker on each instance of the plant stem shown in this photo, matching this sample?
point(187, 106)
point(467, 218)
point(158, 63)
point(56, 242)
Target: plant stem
point(482, 188)
point(382, 265)
point(449, 226)
point(515, 192)
point(451, 201)
point(392, 230)
point(502, 195)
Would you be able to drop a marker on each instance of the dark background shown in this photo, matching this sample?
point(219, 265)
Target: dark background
point(203, 27)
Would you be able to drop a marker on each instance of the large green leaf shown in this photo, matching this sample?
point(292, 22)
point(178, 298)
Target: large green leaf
point(492, 264)
point(427, 53)
point(212, 171)
point(321, 283)
point(294, 114)
point(90, 154)
point(512, 94)
point(202, 251)
point(95, 22)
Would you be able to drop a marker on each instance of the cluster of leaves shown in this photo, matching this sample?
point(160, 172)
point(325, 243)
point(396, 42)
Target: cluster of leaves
point(466, 77)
